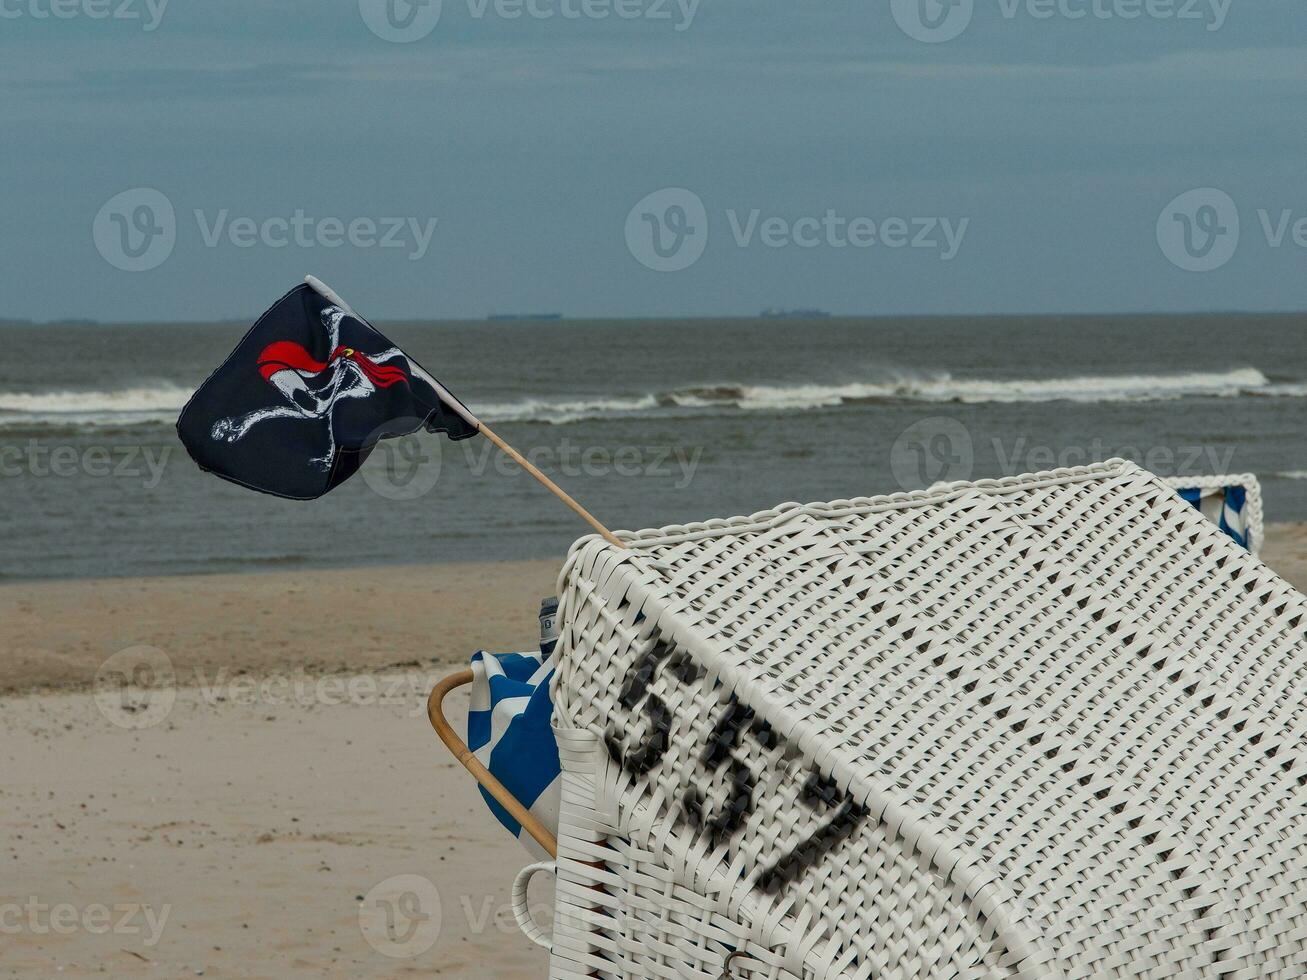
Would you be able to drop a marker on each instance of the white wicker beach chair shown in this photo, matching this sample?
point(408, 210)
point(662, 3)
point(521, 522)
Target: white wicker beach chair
point(1049, 726)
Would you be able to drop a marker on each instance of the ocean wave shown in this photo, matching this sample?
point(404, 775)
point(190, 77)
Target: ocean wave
point(565, 410)
point(946, 388)
point(159, 404)
point(928, 388)
point(117, 408)
point(1292, 475)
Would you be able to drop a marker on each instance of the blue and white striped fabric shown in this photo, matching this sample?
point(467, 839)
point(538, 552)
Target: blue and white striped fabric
point(1226, 507)
point(508, 730)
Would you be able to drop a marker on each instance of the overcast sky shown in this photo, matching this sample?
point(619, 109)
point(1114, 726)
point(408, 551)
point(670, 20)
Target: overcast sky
point(853, 156)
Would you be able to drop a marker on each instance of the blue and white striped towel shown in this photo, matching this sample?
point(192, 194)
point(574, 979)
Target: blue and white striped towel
point(508, 730)
point(1226, 507)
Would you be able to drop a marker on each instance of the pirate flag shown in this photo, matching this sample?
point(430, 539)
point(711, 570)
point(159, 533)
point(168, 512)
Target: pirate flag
point(300, 403)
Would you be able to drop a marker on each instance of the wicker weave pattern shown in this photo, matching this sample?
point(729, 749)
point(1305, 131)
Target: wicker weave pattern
point(1047, 726)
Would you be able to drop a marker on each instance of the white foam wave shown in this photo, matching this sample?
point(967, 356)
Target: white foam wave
point(156, 404)
point(945, 388)
point(919, 388)
point(163, 397)
point(1293, 475)
point(562, 411)
point(1106, 388)
point(159, 404)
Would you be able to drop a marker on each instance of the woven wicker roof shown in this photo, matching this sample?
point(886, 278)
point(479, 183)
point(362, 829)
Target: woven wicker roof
point(1044, 726)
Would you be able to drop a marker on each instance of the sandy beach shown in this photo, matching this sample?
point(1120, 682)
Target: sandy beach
point(249, 826)
point(58, 633)
point(249, 837)
point(279, 806)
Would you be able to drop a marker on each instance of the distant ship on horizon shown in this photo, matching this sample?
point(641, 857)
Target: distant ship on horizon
point(776, 313)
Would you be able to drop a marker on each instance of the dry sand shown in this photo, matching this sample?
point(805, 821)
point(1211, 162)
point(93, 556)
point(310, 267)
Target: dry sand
point(234, 835)
point(236, 839)
point(58, 633)
point(255, 825)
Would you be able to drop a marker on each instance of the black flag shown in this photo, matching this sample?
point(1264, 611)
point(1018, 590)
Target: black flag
point(297, 407)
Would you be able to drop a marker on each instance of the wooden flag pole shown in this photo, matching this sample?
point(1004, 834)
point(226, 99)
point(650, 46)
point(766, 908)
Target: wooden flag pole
point(460, 409)
point(550, 485)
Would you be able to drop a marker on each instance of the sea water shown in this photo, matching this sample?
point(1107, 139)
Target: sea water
point(646, 422)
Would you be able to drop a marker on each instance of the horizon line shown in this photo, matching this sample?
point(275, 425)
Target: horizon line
point(531, 319)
